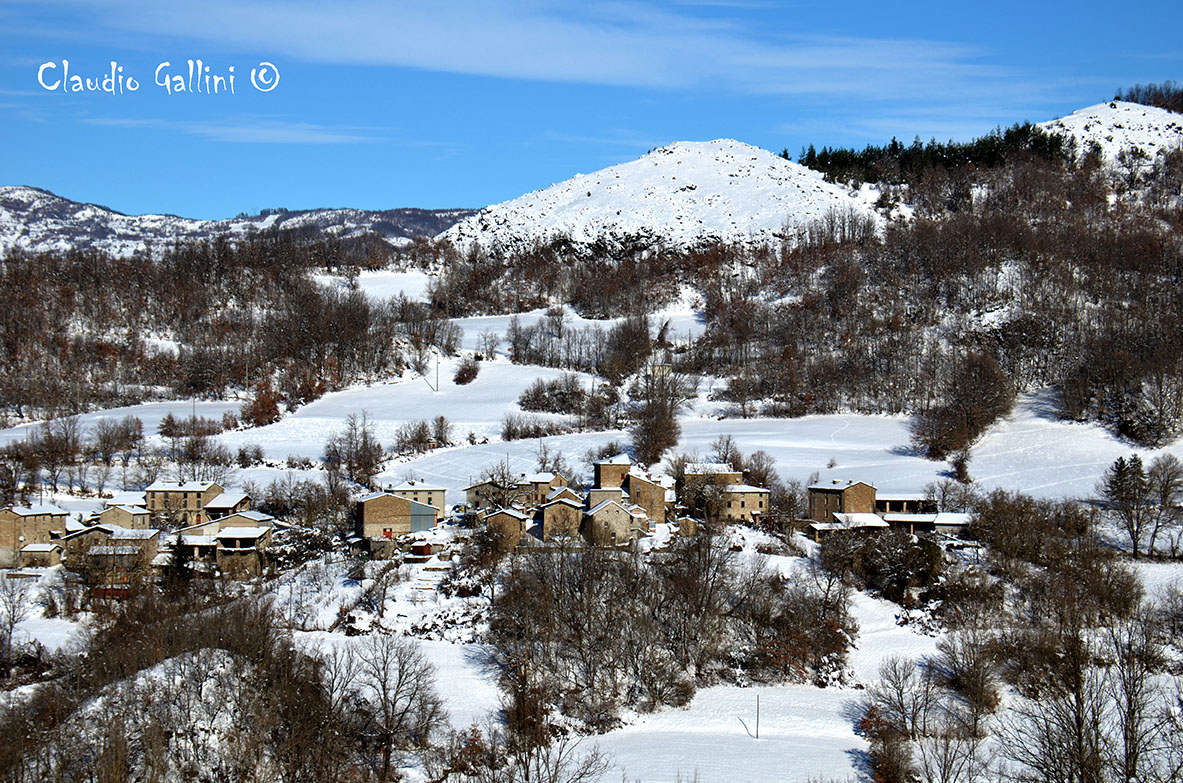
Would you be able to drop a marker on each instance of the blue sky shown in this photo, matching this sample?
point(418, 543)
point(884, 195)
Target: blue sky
point(438, 104)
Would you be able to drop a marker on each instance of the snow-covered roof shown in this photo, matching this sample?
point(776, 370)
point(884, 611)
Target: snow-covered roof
point(837, 485)
point(125, 499)
point(743, 488)
point(603, 505)
point(254, 516)
point(227, 500)
point(113, 549)
point(901, 496)
point(619, 459)
point(411, 485)
point(554, 493)
point(242, 532)
point(133, 510)
point(180, 486)
point(943, 518)
point(39, 508)
point(565, 501)
point(859, 519)
point(708, 468)
point(130, 532)
point(512, 512)
point(539, 478)
point(373, 496)
point(34, 548)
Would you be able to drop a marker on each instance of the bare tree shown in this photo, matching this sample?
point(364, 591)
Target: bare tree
point(13, 609)
point(397, 683)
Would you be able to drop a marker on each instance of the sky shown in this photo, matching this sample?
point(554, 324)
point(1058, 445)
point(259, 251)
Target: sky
point(379, 104)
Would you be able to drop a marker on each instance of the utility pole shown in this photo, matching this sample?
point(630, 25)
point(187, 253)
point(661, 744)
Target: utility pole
point(757, 716)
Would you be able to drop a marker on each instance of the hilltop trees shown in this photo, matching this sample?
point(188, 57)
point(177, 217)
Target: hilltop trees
point(355, 452)
point(1144, 502)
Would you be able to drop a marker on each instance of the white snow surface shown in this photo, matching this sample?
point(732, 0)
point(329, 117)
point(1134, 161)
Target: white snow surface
point(684, 194)
point(1119, 125)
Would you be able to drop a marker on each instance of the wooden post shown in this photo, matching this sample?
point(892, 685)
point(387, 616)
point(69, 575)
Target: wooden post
point(757, 716)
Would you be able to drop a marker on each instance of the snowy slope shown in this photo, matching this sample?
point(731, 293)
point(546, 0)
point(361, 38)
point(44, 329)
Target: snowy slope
point(37, 220)
point(1120, 125)
point(685, 194)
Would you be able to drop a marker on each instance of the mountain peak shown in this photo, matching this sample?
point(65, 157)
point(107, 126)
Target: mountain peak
point(1118, 125)
point(684, 194)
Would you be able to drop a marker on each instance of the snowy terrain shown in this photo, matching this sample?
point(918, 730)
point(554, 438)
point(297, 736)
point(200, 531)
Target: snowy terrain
point(39, 221)
point(684, 194)
point(1119, 125)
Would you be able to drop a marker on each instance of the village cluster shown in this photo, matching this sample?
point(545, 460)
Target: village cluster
point(209, 529)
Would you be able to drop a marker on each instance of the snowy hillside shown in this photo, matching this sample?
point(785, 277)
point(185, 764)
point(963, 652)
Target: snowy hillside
point(37, 220)
point(684, 194)
point(1120, 125)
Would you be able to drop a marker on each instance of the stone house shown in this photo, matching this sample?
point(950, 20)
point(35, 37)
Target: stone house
point(422, 493)
point(648, 493)
point(384, 515)
point(485, 494)
point(24, 525)
point(226, 504)
point(182, 502)
point(558, 518)
point(613, 522)
point(743, 502)
point(855, 497)
point(123, 516)
point(712, 473)
point(509, 523)
point(40, 555)
point(611, 472)
point(534, 489)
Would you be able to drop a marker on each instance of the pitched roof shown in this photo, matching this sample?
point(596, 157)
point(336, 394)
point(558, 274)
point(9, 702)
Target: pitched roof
point(227, 500)
point(411, 485)
point(512, 512)
point(744, 488)
point(113, 549)
point(254, 516)
point(243, 532)
point(619, 459)
point(564, 501)
point(39, 508)
point(40, 547)
point(837, 485)
point(181, 486)
point(708, 468)
point(859, 519)
point(603, 505)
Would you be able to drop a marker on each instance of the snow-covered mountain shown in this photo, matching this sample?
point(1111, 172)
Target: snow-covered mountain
point(1119, 125)
point(37, 220)
point(682, 195)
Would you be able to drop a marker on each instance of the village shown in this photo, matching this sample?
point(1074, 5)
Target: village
point(210, 530)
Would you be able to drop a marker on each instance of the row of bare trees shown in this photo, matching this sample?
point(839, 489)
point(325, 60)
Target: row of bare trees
point(586, 631)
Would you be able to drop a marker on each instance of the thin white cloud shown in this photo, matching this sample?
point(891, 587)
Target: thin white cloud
point(597, 43)
point(249, 131)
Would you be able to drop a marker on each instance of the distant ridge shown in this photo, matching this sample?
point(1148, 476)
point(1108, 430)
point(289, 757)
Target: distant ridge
point(37, 220)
